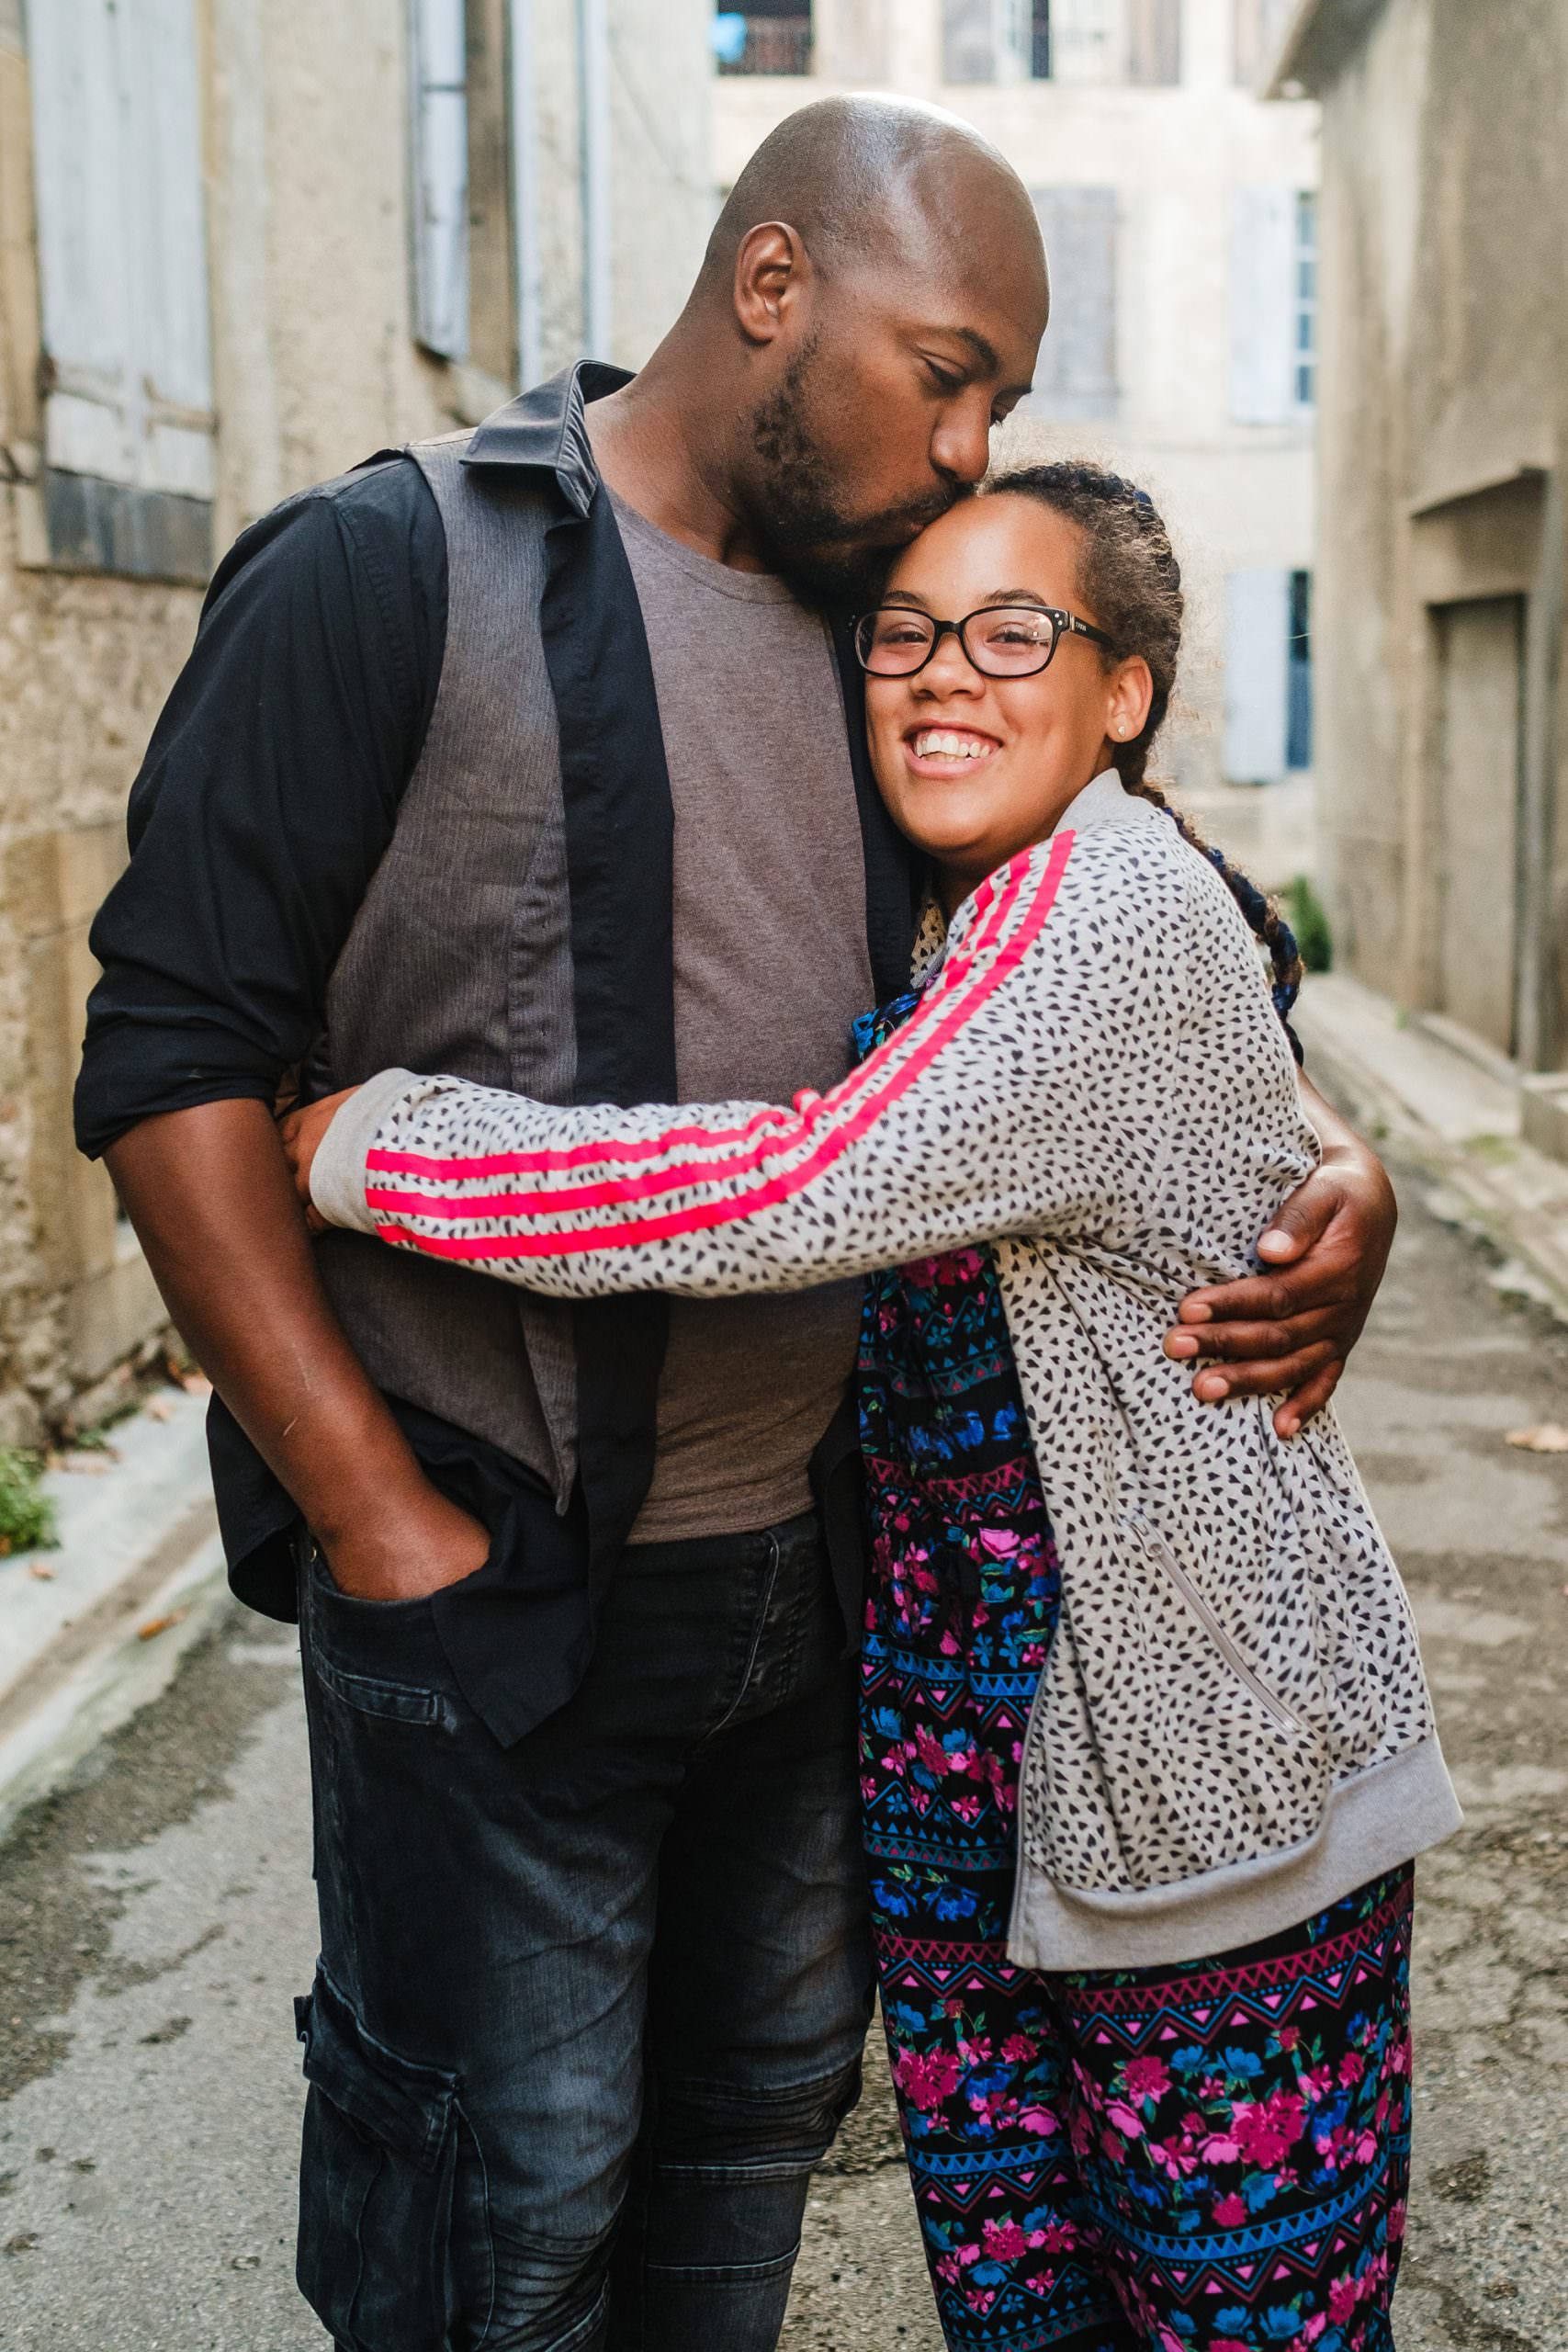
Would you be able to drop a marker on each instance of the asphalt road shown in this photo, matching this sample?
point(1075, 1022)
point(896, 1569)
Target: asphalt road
point(155, 1919)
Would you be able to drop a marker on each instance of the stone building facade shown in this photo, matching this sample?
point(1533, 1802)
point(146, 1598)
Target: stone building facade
point(243, 243)
point(1443, 539)
point(1180, 216)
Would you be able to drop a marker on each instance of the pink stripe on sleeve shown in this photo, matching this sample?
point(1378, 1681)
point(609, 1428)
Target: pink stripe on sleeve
point(852, 1110)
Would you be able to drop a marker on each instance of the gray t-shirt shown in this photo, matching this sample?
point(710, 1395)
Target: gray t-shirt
point(771, 968)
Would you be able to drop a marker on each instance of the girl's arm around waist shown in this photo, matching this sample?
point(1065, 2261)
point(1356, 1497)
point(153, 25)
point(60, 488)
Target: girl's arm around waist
point(1024, 1095)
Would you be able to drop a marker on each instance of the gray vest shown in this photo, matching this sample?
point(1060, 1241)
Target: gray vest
point(460, 960)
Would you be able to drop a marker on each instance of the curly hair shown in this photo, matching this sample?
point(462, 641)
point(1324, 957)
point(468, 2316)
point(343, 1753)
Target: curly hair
point(1132, 582)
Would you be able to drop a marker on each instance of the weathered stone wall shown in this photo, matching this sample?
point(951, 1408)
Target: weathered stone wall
point(1444, 388)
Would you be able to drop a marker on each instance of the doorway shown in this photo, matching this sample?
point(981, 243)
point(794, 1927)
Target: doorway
point(1480, 743)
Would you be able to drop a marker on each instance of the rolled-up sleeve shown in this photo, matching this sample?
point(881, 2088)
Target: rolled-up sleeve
point(267, 796)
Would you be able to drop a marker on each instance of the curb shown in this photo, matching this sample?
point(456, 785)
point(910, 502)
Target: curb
point(93, 1632)
point(1456, 1113)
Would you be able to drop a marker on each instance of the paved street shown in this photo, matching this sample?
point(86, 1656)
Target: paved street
point(154, 1922)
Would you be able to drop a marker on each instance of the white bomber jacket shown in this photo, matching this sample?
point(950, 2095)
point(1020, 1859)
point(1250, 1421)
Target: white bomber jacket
point(1232, 1729)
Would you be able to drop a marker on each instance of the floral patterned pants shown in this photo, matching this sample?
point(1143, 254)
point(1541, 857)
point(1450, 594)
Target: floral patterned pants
point(1206, 2158)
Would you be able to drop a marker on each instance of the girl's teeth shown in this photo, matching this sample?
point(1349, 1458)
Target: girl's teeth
point(950, 747)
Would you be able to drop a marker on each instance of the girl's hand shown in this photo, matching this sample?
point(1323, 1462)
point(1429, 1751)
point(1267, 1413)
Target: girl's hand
point(301, 1133)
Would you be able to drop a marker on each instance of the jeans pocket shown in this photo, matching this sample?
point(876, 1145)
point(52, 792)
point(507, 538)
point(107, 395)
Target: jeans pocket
point(377, 2179)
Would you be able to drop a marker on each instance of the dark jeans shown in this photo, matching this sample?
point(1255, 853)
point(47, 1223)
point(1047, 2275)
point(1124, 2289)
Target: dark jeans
point(588, 2008)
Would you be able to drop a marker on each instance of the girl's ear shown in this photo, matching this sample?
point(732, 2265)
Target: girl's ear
point(1130, 699)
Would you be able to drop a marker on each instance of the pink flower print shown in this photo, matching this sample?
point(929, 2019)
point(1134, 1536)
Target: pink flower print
point(1174, 2157)
point(1396, 2222)
point(1266, 2134)
point(1231, 2211)
point(1318, 2325)
point(1039, 2120)
point(931, 1752)
point(999, 1542)
point(1004, 2240)
point(1018, 2047)
point(927, 2081)
point(1115, 2148)
point(1126, 2118)
point(1229, 2344)
point(1145, 2078)
point(1352, 2066)
point(1059, 2237)
point(1342, 2299)
point(953, 2006)
point(1286, 2037)
point(1218, 2149)
point(950, 1645)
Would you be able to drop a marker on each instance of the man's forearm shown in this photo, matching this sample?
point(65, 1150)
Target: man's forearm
point(211, 1196)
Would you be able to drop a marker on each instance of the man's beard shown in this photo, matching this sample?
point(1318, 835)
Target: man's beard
point(831, 557)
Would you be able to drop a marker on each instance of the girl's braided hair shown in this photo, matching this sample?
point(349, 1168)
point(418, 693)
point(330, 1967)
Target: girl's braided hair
point(1132, 583)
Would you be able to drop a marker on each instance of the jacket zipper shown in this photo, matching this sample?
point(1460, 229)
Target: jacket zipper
point(1160, 1553)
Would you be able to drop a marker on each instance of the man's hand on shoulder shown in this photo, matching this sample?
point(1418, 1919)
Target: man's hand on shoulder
point(1290, 1331)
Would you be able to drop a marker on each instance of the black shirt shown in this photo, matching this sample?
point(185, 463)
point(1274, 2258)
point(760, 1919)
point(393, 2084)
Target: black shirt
point(268, 793)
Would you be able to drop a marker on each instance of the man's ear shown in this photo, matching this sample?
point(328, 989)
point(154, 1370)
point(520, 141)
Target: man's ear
point(772, 270)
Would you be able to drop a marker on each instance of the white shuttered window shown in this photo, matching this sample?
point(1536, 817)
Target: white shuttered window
point(438, 52)
point(987, 40)
point(1076, 374)
point(1258, 677)
point(122, 243)
point(1268, 357)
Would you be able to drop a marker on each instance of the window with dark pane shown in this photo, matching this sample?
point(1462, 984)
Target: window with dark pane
point(767, 37)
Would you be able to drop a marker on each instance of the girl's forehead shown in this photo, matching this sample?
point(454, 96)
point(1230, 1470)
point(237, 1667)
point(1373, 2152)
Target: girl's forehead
point(988, 546)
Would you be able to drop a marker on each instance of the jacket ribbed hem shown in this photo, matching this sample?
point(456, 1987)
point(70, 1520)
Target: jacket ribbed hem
point(337, 1172)
point(1375, 1821)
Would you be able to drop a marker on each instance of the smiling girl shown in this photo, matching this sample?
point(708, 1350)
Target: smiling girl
point(1146, 1747)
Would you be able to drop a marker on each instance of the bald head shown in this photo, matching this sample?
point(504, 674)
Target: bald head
point(870, 307)
point(882, 180)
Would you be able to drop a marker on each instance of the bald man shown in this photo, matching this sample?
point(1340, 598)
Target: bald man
point(536, 754)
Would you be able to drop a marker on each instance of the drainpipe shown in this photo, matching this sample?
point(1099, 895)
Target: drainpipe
point(593, 70)
point(528, 282)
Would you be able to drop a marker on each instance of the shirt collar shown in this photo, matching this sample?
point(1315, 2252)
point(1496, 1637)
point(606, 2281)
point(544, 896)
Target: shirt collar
point(1104, 800)
point(545, 431)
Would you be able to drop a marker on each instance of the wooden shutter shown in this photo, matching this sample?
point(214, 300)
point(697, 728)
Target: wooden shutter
point(1263, 259)
point(1154, 43)
point(122, 243)
point(1259, 33)
point(1258, 679)
point(171, 284)
point(986, 40)
point(1085, 40)
point(439, 57)
point(968, 41)
point(1077, 375)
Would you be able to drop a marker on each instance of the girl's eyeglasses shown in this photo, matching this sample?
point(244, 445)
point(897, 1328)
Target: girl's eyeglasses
point(1000, 641)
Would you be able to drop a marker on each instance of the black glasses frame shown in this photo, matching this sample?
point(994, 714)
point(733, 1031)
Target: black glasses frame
point(1063, 624)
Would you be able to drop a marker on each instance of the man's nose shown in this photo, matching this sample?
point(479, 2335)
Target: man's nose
point(961, 447)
